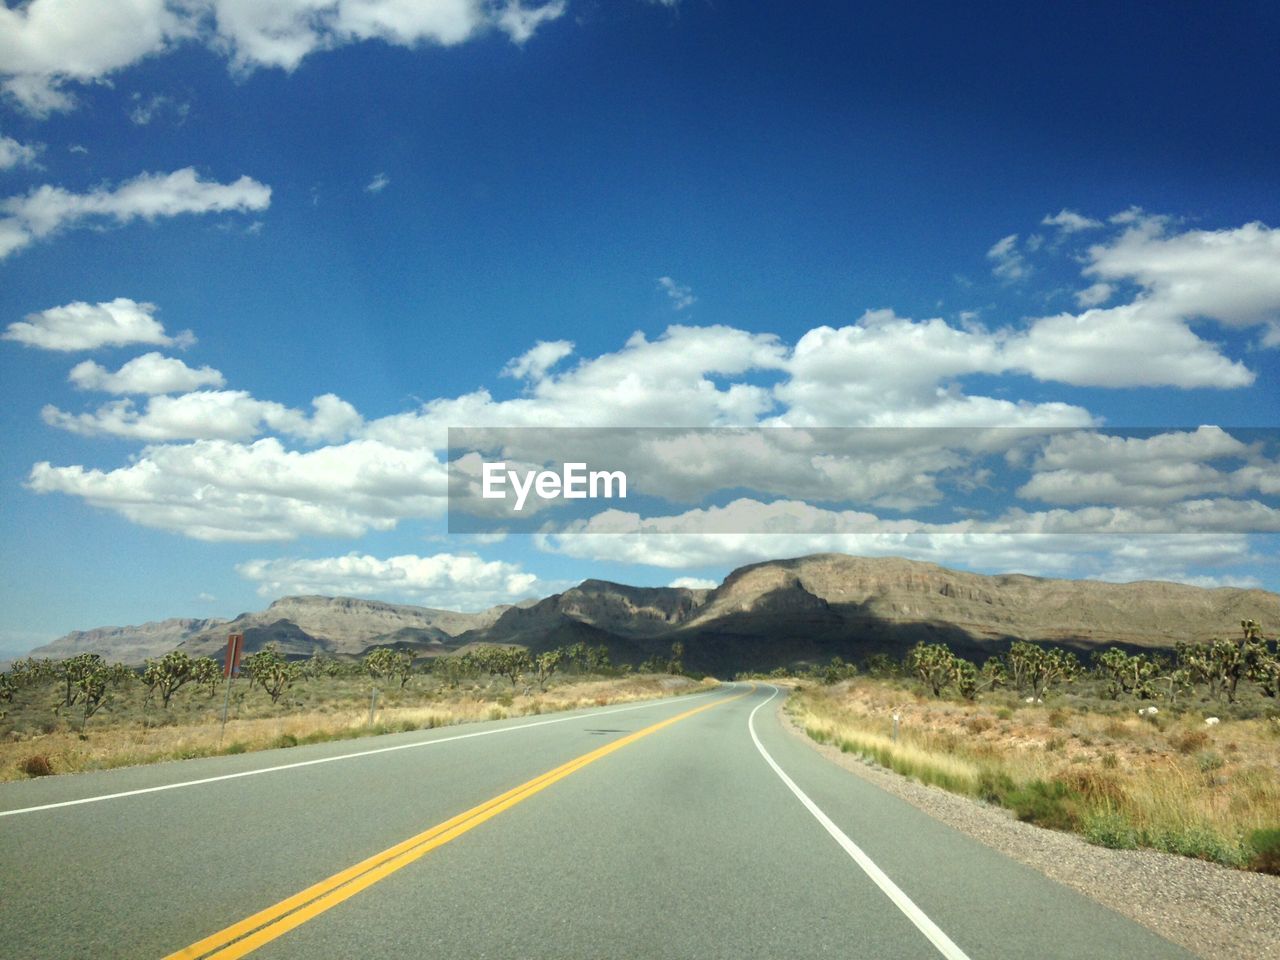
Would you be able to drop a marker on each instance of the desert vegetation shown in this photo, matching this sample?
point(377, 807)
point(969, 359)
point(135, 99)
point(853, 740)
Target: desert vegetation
point(81, 713)
point(1178, 752)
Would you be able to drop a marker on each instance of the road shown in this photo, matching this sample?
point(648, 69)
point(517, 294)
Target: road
point(689, 827)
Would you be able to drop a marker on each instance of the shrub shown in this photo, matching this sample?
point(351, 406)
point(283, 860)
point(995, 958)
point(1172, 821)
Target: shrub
point(1094, 785)
point(993, 787)
point(1004, 713)
point(1199, 842)
point(1044, 804)
point(238, 746)
point(979, 723)
point(285, 740)
point(1189, 741)
point(1111, 830)
point(1265, 845)
point(1209, 761)
point(36, 765)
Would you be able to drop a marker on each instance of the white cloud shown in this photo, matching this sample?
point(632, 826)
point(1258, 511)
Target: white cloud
point(220, 490)
point(87, 326)
point(1101, 556)
point(210, 414)
point(1124, 346)
point(520, 22)
point(694, 583)
point(1231, 276)
point(15, 154)
point(47, 46)
point(1068, 221)
point(377, 184)
point(883, 371)
point(534, 363)
point(680, 295)
point(1082, 468)
point(47, 209)
point(47, 43)
point(1094, 294)
point(147, 109)
point(449, 580)
point(1009, 262)
point(149, 373)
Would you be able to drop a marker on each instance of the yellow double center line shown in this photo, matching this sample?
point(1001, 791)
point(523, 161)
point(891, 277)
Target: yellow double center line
point(275, 921)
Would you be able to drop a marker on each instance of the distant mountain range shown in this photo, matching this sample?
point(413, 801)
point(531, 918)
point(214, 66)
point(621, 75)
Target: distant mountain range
point(763, 615)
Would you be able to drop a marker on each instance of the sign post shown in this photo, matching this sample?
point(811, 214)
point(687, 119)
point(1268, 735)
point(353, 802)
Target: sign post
point(235, 646)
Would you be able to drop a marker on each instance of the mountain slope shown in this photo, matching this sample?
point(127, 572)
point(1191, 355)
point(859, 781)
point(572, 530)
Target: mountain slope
point(763, 615)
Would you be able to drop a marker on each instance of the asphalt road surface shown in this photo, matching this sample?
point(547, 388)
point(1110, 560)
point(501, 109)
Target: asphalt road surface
point(690, 827)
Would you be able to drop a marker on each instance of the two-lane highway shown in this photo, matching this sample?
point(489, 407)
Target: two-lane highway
point(689, 827)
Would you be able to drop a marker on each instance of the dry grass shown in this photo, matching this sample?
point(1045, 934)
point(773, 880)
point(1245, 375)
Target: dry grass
point(1168, 782)
point(109, 745)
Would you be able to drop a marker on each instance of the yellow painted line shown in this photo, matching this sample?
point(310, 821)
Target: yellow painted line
point(266, 925)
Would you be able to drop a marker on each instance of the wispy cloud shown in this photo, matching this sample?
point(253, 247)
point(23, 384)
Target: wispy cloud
point(146, 109)
point(1009, 262)
point(377, 184)
point(1068, 221)
point(47, 209)
point(681, 296)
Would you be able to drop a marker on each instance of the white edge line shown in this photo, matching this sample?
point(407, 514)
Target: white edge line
point(946, 946)
point(342, 756)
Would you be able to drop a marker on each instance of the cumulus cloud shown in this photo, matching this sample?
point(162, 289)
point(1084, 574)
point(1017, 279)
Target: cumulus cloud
point(16, 154)
point(1081, 468)
point(210, 414)
point(88, 326)
point(1230, 276)
point(49, 46)
point(1124, 346)
point(680, 295)
point(882, 371)
point(694, 583)
point(1175, 557)
point(149, 373)
point(46, 44)
point(221, 490)
point(47, 209)
point(449, 580)
point(534, 363)
point(1094, 294)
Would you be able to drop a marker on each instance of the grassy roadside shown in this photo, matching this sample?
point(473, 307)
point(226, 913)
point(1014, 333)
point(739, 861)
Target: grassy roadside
point(1120, 780)
point(331, 710)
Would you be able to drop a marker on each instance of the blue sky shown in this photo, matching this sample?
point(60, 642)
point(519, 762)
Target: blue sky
point(897, 216)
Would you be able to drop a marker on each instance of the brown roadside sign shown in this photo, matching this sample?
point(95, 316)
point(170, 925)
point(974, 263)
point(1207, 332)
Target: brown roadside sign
point(235, 646)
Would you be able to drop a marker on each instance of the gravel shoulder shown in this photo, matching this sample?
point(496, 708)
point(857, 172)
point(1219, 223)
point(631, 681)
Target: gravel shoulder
point(1215, 912)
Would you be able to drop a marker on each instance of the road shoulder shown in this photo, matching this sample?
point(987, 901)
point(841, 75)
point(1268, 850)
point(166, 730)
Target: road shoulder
point(1213, 911)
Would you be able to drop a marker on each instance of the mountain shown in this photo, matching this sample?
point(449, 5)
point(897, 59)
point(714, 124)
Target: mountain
point(128, 644)
point(763, 615)
point(596, 612)
point(830, 604)
point(812, 608)
point(340, 626)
